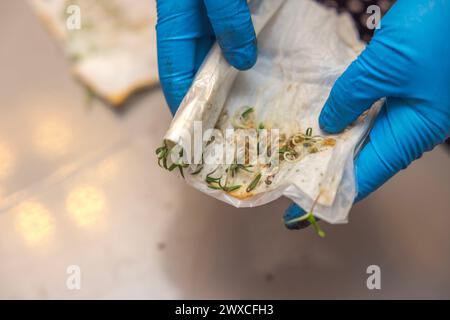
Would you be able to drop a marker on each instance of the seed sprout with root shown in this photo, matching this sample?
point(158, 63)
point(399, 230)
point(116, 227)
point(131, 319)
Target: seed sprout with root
point(291, 150)
point(310, 218)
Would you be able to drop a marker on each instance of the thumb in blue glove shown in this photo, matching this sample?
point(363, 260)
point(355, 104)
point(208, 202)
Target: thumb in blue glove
point(408, 62)
point(186, 31)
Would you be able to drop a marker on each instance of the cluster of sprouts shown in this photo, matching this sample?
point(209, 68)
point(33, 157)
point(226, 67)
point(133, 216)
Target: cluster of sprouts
point(290, 150)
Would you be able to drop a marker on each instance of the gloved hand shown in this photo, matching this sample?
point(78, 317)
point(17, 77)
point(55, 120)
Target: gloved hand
point(408, 62)
point(187, 29)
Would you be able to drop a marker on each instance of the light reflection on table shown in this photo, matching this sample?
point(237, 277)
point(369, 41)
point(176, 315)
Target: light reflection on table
point(7, 161)
point(34, 223)
point(86, 205)
point(53, 136)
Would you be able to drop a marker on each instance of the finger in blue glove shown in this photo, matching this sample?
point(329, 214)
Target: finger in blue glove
point(186, 31)
point(407, 62)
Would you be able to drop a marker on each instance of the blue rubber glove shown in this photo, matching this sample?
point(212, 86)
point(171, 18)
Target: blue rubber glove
point(408, 62)
point(187, 29)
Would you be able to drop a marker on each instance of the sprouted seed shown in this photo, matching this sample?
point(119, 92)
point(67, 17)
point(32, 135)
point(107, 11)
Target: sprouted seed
point(181, 167)
point(216, 183)
point(311, 219)
point(163, 153)
point(234, 168)
point(197, 170)
point(210, 179)
point(283, 149)
point(254, 183)
point(232, 188)
point(291, 150)
point(243, 119)
point(269, 180)
point(247, 112)
point(301, 144)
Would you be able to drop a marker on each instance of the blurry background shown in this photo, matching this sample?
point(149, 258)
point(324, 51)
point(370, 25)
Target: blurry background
point(79, 185)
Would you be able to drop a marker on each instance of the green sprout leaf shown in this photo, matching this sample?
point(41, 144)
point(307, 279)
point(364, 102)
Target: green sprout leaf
point(198, 170)
point(232, 188)
point(254, 183)
point(247, 113)
point(312, 220)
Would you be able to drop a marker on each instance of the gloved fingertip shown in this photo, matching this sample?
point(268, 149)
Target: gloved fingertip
point(370, 171)
point(359, 197)
point(244, 57)
point(175, 88)
point(173, 100)
point(326, 122)
point(294, 212)
point(360, 194)
point(173, 108)
point(233, 27)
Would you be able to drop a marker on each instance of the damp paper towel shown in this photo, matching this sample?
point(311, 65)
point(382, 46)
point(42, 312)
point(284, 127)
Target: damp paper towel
point(303, 49)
